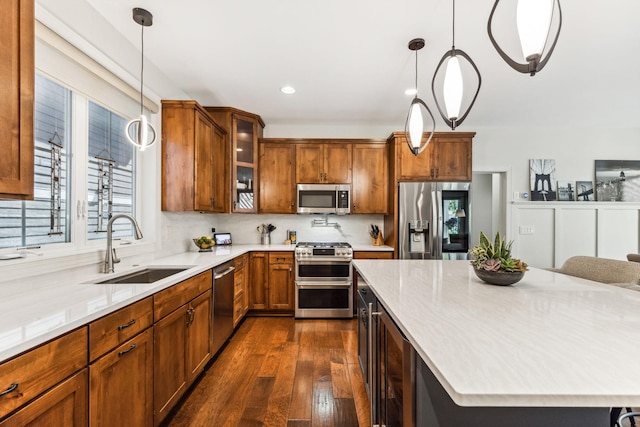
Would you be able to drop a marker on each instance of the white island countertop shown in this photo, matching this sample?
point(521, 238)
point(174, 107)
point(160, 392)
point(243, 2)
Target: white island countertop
point(549, 340)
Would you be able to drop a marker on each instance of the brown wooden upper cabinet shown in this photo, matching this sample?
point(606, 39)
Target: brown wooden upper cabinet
point(17, 75)
point(277, 178)
point(370, 187)
point(446, 158)
point(323, 163)
point(241, 170)
point(193, 154)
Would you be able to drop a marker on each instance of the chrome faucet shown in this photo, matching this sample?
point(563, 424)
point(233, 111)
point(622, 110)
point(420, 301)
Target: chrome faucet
point(110, 257)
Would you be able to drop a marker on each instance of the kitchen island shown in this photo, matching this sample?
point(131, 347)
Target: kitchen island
point(549, 350)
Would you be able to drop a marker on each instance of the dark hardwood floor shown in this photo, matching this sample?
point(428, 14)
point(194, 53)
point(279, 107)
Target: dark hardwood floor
point(278, 371)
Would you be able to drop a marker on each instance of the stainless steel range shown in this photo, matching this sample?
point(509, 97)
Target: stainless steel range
point(324, 281)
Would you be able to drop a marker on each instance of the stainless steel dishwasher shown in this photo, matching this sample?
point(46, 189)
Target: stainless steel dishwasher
point(222, 305)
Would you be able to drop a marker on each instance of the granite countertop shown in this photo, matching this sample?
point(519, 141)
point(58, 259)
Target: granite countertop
point(38, 308)
point(549, 340)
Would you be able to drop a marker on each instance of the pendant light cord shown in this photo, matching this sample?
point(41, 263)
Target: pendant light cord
point(142, 69)
point(453, 41)
point(416, 95)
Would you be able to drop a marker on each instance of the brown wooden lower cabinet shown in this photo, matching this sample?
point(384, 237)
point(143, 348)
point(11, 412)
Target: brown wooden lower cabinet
point(182, 347)
point(372, 255)
point(272, 281)
point(65, 405)
point(121, 384)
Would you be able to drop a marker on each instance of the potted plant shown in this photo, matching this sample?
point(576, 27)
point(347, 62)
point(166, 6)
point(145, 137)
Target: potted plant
point(492, 261)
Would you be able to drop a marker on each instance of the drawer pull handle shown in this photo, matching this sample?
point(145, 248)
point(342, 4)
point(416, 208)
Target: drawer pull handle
point(11, 388)
point(126, 325)
point(123, 352)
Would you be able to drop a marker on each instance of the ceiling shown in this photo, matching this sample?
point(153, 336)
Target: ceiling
point(350, 63)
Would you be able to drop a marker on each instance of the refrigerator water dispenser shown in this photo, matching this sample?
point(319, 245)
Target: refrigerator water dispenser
point(418, 235)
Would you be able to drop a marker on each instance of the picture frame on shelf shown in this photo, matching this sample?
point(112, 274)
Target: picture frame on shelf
point(617, 180)
point(566, 191)
point(542, 175)
point(584, 191)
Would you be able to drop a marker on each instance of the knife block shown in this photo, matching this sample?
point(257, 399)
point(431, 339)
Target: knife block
point(379, 241)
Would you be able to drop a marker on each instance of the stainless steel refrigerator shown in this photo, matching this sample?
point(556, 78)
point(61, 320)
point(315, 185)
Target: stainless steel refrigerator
point(434, 220)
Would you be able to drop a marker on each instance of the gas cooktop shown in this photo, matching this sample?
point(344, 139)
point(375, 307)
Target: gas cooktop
point(323, 245)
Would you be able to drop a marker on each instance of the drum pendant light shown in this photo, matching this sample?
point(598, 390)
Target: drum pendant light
point(534, 22)
point(139, 131)
point(418, 112)
point(453, 86)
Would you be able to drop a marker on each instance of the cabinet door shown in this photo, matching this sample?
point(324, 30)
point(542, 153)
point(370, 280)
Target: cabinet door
point(258, 285)
point(414, 168)
point(198, 335)
point(281, 286)
point(121, 384)
point(219, 163)
point(245, 151)
point(204, 175)
point(169, 362)
point(337, 163)
point(309, 164)
point(452, 159)
point(16, 104)
point(277, 178)
point(370, 179)
point(63, 405)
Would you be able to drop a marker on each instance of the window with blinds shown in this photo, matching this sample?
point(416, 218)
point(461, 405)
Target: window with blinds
point(110, 166)
point(111, 173)
point(45, 219)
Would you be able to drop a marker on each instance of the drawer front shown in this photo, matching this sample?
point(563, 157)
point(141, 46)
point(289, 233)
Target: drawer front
point(41, 368)
point(238, 283)
point(280, 258)
point(112, 330)
point(166, 301)
point(241, 261)
point(238, 308)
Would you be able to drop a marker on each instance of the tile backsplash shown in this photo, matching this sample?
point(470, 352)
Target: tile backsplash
point(179, 228)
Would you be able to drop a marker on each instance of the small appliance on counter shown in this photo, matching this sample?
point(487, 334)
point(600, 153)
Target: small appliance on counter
point(222, 238)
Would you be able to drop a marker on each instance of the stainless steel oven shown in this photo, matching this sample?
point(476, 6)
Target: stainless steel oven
point(324, 281)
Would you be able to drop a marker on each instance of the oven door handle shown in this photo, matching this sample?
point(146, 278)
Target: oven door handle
point(323, 285)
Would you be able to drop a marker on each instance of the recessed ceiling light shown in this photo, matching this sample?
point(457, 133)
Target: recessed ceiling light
point(288, 90)
point(411, 91)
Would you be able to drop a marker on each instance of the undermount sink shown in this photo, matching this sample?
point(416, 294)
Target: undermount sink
point(147, 275)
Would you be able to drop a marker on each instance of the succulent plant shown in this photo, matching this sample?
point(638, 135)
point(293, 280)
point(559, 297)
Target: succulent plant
point(495, 256)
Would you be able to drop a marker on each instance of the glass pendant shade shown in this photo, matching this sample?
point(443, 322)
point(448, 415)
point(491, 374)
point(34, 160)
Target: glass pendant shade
point(533, 18)
point(534, 22)
point(419, 113)
point(139, 131)
point(414, 129)
point(453, 88)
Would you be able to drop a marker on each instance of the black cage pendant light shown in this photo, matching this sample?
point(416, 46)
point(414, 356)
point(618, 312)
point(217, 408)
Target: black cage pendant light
point(139, 131)
point(418, 112)
point(534, 19)
point(454, 85)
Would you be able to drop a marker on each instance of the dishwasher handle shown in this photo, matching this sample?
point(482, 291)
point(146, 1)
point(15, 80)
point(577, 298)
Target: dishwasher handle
point(223, 273)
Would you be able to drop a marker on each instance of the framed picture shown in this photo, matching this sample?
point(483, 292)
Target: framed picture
point(566, 191)
point(618, 180)
point(584, 191)
point(542, 173)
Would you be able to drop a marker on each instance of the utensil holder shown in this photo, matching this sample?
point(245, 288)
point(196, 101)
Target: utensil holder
point(378, 241)
point(265, 239)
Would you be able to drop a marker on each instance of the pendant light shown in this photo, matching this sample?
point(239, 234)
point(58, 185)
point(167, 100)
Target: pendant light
point(453, 87)
point(418, 110)
point(534, 20)
point(139, 131)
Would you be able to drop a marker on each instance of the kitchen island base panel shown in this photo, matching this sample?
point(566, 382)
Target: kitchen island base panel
point(435, 408)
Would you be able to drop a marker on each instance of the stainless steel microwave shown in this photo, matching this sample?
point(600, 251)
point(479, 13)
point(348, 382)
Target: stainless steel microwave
point(324, 199)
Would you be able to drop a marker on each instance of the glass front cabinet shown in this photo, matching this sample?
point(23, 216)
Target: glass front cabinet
point(243, 131)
